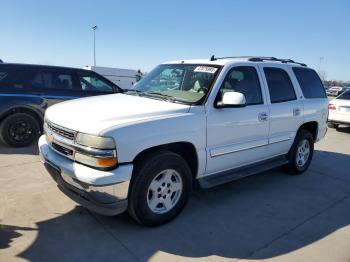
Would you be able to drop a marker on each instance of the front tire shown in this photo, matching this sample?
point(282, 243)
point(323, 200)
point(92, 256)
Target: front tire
point(301, 153)
point(160, 188)
point(19, 130)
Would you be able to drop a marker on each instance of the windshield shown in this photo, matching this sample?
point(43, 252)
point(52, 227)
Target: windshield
point(184, 83)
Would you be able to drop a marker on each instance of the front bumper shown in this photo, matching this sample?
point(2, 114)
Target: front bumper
point(104, 192)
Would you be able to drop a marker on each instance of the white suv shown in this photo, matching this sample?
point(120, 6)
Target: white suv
point(204, 122)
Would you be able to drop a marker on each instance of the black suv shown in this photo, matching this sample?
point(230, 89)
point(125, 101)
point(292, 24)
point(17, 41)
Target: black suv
point(27, 90)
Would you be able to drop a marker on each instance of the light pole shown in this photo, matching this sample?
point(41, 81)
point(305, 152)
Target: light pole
point(319, 65)
point(94, 28)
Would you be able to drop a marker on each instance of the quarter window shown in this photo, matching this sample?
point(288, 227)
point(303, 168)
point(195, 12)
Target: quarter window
point(245, 80)
point(309, 82)
point(15, 77)
point(280, 86)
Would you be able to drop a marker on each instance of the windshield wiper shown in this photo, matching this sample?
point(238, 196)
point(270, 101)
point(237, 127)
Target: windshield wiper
point(161, 95)
point(134, 91)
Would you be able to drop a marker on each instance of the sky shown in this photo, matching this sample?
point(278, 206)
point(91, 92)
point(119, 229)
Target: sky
point(142, 34)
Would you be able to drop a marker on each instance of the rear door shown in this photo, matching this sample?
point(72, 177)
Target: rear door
point(16, 89)
point(55, 85)
point(285, 109)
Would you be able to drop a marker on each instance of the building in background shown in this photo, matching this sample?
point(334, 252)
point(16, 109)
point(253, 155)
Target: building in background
point(124, 78)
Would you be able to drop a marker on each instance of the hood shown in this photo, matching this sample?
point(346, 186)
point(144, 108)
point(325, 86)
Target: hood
point(91, 115)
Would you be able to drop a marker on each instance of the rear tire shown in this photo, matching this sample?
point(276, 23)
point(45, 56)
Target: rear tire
point(19, 130)
point(301, 153)
point(160, 188)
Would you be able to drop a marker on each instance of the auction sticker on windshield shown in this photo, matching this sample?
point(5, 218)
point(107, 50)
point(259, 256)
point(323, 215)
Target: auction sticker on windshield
point(205, 69)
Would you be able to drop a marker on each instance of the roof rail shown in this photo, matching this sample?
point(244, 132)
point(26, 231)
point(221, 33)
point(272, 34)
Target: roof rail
point(259, 59)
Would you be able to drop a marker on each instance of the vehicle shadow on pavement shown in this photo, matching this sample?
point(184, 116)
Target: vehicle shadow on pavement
point(8, 234)
point(344, 129)
point(28, 150)
point(261, 216)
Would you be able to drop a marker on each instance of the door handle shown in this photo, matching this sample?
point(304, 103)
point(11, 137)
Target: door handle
point(296, 112)
point(262, 116)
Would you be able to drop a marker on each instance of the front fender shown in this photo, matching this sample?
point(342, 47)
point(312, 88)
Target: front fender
point(135, 138)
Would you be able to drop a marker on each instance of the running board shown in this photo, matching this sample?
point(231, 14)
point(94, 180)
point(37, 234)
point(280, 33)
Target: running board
point(240, 172)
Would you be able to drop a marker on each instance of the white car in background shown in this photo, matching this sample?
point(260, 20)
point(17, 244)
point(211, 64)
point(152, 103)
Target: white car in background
point(339, 110)
point(124, 78)
point(335, 90)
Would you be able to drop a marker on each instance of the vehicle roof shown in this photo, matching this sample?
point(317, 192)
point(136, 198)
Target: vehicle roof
point(235, 60)
point(36, 65)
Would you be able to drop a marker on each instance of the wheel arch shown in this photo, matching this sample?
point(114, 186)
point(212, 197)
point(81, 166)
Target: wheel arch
point(185, 149)
point(24, 109)
point(312, 127)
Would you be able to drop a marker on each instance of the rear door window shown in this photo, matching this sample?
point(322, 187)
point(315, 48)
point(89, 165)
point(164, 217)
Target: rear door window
point(309, 82)
point(55, 79)
point(280, 86)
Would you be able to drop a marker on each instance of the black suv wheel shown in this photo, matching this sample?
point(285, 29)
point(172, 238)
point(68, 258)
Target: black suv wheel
point(19, 130)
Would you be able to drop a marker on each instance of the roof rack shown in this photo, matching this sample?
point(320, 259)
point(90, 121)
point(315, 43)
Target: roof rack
point(260, 59)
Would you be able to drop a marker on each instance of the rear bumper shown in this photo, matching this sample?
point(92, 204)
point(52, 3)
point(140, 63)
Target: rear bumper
point(104, 192)
point(337, 118)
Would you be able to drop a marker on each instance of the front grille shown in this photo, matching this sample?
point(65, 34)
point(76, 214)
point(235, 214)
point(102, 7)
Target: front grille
point(62, 132)
point(63, 150)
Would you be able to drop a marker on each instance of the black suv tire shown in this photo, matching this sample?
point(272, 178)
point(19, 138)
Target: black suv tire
point(147, 170)
point(19, 130)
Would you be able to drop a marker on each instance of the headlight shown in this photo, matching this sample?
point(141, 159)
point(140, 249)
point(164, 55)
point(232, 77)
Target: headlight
point(100, 152)
point(102, 163)
point(95, 141)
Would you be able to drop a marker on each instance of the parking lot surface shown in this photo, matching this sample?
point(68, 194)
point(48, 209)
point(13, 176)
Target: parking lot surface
point(269, 216)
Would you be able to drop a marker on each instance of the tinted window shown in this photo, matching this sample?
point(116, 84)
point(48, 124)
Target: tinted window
point(244, 80)
point(92, 82)
point(53, 79)
point(345, 96)
point(279, 84)
point(15, 77)
point(309, 82)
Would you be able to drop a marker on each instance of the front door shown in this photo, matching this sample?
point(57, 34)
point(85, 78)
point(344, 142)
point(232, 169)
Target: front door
point(238, 136)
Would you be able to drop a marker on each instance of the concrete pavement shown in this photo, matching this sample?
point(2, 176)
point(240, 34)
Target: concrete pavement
point(269, 216)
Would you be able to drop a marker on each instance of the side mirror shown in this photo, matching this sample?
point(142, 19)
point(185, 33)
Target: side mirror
point(232, 99)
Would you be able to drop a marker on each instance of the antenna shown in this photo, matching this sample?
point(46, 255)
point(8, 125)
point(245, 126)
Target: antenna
point(212, 58)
